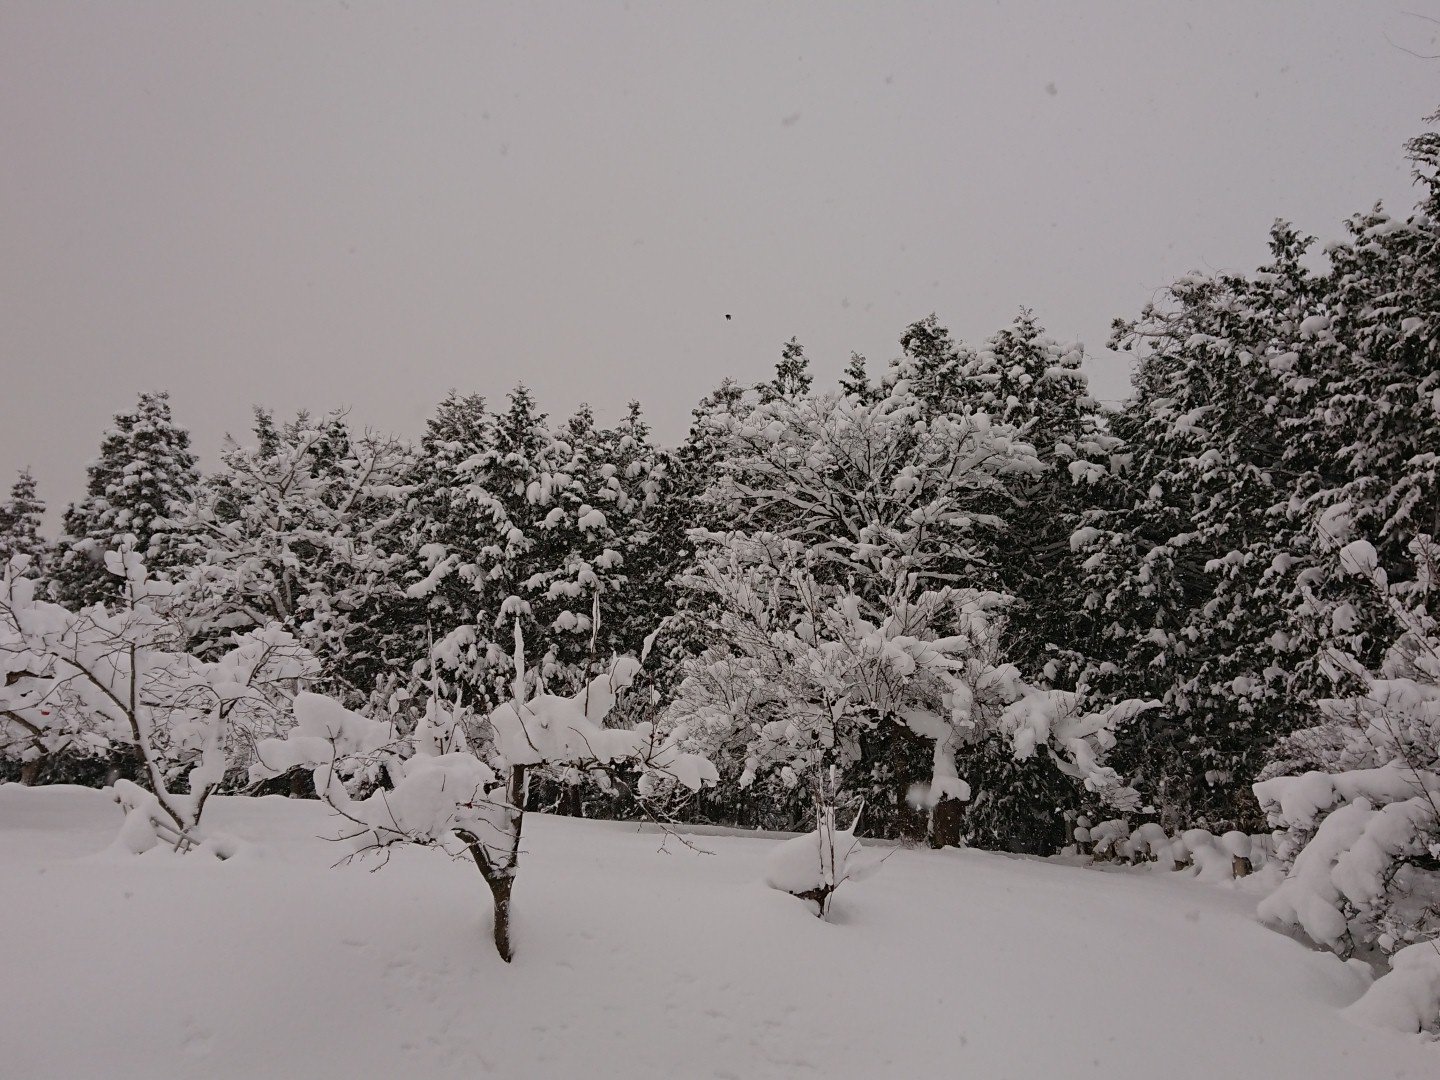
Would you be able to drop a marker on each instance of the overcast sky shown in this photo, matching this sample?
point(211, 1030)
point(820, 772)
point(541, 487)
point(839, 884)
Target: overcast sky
point(345, 203)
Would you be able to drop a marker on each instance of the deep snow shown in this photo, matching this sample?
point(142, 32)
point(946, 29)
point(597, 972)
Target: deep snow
point(637, 962)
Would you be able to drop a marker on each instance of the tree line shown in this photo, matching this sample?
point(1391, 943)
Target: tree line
point(957, 590)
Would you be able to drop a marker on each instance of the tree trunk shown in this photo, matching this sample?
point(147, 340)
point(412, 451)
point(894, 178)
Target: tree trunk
point(945, 822)
point(501, 879)
point(30, 771)
point(500, 891)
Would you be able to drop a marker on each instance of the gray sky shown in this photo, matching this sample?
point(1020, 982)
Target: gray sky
point(344, 203)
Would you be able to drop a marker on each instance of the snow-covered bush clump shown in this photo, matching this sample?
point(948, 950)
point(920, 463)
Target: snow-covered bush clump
point(813, 865)
point(446, 796)
point(1408, 998)
point(1362, 834)
point(102, 680)
point(1212, 858)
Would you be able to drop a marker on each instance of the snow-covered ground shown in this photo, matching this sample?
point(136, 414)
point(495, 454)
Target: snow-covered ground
point(637, 962)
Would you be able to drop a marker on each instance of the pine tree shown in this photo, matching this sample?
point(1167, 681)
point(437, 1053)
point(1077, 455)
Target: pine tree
point(855, 380)
point(21, 518)
point(792, 374)
point(144, 471)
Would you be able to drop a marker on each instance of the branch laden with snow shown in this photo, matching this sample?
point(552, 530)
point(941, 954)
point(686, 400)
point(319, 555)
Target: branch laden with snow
point(451, 798)
point(99, 680)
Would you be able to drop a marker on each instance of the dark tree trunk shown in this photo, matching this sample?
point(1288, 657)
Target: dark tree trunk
point(500, 891)
point(501, 878)
point(572, 805)
point(945, 821)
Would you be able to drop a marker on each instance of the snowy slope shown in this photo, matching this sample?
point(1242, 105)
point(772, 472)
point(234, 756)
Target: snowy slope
point(632, 962)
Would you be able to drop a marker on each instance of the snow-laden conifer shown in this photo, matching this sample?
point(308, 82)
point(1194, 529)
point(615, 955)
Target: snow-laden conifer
point(144, 472)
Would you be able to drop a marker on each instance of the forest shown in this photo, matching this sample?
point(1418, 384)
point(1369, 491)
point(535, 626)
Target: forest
point(954, 600)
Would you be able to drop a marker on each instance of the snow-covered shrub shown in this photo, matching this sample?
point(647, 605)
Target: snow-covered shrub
point(1150, 842)
point(1109, 839)
point(1210, 857)
point(813, 865)
point(100, 680)
point(446, 796)
point(1362, 836)
point(1408, 998)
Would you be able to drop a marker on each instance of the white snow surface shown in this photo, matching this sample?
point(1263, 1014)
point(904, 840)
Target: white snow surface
point(633, 962)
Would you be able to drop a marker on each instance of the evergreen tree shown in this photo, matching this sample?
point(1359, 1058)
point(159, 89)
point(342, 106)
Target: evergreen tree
point(1188, 575)
point(792, 374)
point(855, 380)
point(306, 529)
point(1023, 379)
point(690, 472)
point(21, 518)
point(144, 471)
point(930, 362)
point(519, 520)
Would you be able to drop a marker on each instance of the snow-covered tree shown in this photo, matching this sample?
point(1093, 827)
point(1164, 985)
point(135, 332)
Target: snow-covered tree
point(855, 380)
point(1361, 829)
point(813, 865)
point(107, 678)
point(21, 520)
point(839, 627)
point(144, 471)
point(792, 374)
point(446, 796)
point(1275, 413)
point(307, 530)
point(1025, 379)
point(1190, 572)
point(518, 520)
point(885, 486)
point(808, 670)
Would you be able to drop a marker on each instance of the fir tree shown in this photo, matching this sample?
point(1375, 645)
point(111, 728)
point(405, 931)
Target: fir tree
point(144, 471)
point(855, 380)
point(21, 518)
point(306, 529)
point(792, 374)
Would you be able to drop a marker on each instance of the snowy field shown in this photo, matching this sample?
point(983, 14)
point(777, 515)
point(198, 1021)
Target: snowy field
point(637, 962)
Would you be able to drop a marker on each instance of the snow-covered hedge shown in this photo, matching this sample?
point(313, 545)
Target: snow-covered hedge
point(1214, 858)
